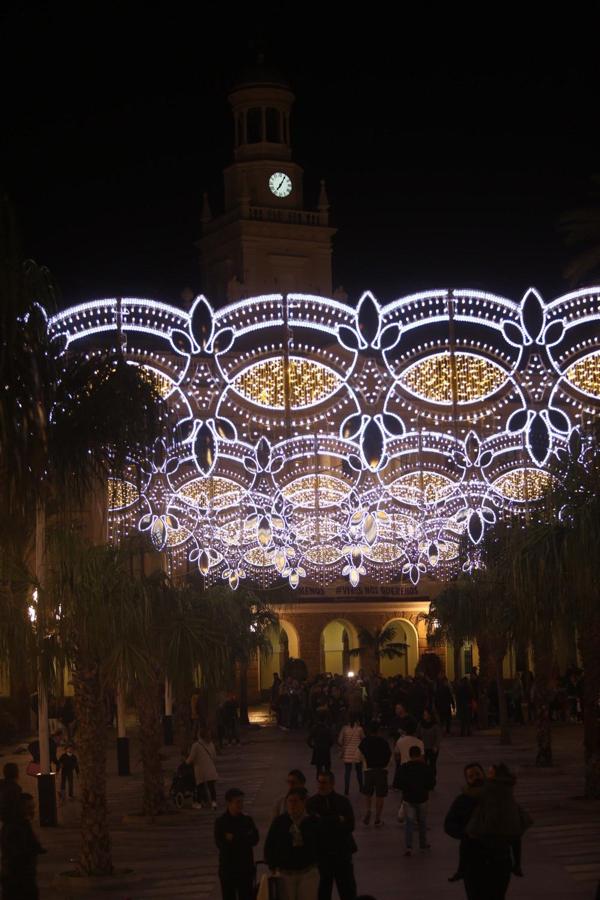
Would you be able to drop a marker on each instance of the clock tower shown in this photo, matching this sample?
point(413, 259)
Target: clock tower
point(265, 241)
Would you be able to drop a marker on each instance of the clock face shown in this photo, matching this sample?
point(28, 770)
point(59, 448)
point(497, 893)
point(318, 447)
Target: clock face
point(280, 184)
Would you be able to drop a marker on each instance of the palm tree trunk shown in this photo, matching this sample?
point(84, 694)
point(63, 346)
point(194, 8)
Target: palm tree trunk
point(484, 678)
point(244, 718)
point(589, 642)
point(456, 648)
point(95, 854)
point(505, 737)
point(148, 709)
point(182, 722)
point(542, 660)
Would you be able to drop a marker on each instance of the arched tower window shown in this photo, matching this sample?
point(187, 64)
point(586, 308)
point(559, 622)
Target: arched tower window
point(254, 125)
point(273, 121)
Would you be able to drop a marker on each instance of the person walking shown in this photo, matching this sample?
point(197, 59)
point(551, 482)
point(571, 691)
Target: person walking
point(291, 848)
point(336, 843)
point(236, 836)
point(402, 750)
point(20, 850)
point(376, 754)
point(202, 757)
point(349, 740)
point(416, 780)
point(67, 765)
point(464, 706)
point(429, 731)
point(320, 740)
point(445, 704)
point(457, 818)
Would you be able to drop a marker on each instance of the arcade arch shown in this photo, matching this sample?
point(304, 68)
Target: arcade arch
point(338, 638)
point(406, 664)
point(285, 643)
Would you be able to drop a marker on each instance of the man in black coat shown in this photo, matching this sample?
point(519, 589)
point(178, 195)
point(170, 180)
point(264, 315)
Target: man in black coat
point(10, 793)
point(336, 843)
point(235, 836)
point(20, 849)
point(457, 819)
point(291, 847)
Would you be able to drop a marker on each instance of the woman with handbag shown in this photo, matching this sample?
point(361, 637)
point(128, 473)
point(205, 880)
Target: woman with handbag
point(349, 739)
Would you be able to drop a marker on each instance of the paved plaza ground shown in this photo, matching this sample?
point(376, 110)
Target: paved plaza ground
point(561, 855)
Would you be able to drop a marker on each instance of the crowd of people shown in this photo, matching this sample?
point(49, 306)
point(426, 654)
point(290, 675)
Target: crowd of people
point(388, 734)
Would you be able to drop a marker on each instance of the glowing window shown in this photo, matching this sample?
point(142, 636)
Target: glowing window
point(309, 383)
point(432, 378)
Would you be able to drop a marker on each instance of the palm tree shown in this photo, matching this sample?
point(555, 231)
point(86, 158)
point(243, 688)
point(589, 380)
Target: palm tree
point(577, 499)
point(480, 609)
point(249, 621)
point(535, 581)
point(379, 643)
point(62, 431)
point(88, 587)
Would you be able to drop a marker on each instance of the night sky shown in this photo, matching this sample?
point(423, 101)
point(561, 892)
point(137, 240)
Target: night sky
point(449, 151)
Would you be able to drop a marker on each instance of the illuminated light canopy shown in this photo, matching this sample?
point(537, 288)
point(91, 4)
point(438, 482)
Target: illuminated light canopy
point(310, 383)
point(307, 491)
point(524, 485)
point(398, 434)
point(325, 555)
point(384, 553)
point(432, 378)
point(585, 374)
point(121, 493)
point(419, 487)
point(162, 384)
point(177, 536)
point(215, 493)
point(260, 558)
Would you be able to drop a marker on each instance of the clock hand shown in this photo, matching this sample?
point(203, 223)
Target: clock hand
point(281, 182)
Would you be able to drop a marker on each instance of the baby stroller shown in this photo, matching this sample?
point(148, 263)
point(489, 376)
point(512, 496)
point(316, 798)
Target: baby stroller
point(183, 785)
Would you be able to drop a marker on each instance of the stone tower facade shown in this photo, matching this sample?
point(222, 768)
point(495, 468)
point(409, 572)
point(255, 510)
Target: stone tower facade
point(264, 241)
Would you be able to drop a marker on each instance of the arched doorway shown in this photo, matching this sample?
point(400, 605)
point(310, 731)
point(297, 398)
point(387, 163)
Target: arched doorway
point(338, 638)
point(406, 633)
point(285, 643)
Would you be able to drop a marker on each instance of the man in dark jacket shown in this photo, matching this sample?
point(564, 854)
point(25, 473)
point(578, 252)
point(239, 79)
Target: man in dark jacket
point(416, 780)
point(376, 754)
point(458, 816)
point(68, 765)
point(235, 836)
point(20, 850)
point(336, 843)
point(291, 848)
point(10, 793)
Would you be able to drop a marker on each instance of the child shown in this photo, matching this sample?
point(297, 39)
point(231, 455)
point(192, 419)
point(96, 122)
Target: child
point(67, 765)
